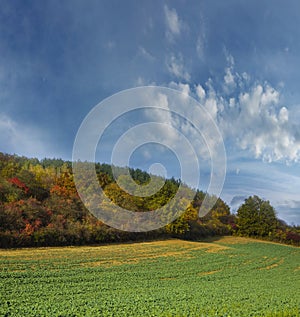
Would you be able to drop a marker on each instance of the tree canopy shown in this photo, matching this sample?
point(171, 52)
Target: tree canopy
point(256, 217)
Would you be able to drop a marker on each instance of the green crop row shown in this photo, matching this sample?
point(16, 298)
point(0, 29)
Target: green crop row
point(169, 278)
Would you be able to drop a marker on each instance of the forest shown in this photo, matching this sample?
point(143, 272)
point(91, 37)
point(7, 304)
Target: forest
point(40, 206)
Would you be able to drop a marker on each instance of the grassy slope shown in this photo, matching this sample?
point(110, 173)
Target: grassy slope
point(228, 277)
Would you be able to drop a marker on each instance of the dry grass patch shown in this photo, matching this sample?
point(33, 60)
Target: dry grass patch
point(135, 253)
point(236, 240)
point(114, 254)
point(297, 269)
point(216, 248)
point(273, 265)
point(208, 272)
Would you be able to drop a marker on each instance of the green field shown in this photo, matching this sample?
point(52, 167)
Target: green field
point(226, 277)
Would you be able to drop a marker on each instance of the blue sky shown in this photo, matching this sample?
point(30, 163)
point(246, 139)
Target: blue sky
point(239, 59)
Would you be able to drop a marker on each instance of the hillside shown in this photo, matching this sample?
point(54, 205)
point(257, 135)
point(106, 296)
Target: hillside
point(40, 206)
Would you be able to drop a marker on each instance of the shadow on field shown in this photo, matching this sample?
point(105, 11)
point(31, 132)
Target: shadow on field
point(208, 239)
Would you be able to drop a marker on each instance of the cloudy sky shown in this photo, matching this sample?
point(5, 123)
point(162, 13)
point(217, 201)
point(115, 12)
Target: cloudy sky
point(239, 59)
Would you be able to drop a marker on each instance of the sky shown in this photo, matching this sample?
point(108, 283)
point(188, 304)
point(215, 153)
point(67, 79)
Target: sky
point(239, 59)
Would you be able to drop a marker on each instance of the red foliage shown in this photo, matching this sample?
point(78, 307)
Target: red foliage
point(59, 190)
point(37, 223)
point(29, 229)
point(233, 225)
point(49, 212)
point(293, 236)
point(15, 181)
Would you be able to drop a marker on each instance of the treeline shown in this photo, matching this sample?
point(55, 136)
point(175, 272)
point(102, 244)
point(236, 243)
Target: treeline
point(39, 206)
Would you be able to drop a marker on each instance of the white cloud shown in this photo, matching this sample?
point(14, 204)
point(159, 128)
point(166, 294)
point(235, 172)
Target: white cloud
point(283, 115)
point(257, 123)
point(229, 77)
point(140, 81)
point(254, 121)
point(269, 96)
point(201, 40)
point(200, 46)
point(174, 25)
point(176, 67)
point(209, 98)
point(211, 105)
point(143, 52)
point(184, 88)
point(20, 139)
point(200, 92)
point(229, 58)
point(176, 130)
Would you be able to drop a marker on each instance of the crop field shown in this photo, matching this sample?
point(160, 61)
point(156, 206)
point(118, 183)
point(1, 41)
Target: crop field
point(226, 277)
